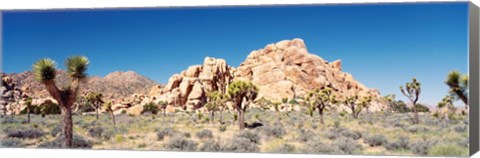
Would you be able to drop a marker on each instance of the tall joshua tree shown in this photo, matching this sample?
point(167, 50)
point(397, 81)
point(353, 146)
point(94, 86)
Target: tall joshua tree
point(45, 72)
point(28, 102)
point(95, 99)
point(215, 99)
point(320, 99)
point(412, 92)
point(108, 107)
point(357, 104)
point(163, 106)
point(458, 84)
point(242, 93)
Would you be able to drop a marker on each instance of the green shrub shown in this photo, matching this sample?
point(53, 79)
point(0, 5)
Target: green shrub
point(161, 133)
point(179, 143)
point(421, 147)
point(345, 145)
point(401, 143)
point(23, 132)
point(11, 142)
point(275, 131)
point(239, 144)
point(285, 148)
point(78, 142)
point(150, 107)
point(375, 140)
point(210, 145)
point(204, 134)
point(222, 128)
point(448, 150)
point(249, 135)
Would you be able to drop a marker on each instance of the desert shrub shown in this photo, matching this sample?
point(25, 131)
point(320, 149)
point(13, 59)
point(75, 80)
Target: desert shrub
point(250, 135)
point(210, 145)
point(345, 145)
point(151, 108)
point(222, 128)
point(460, 128)
point(187, 135)
point(204, 134)
point(179, 143)
point(285, 148)
point(305, 135)
point(161, 133)
point(11, 142)
point(276, 131)
point(421, 147)
point(95, 132)
point(448, 150)
point(78, 142)
point(239, 144)
point(24, 132)
point(337, 132)
point(317, 146)
point(416, 128)
point(465, 142)
point(401, 143)
point(375, 140)
point(55, 131)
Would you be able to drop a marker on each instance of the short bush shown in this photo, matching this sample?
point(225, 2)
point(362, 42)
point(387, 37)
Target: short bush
point(55, 131)
point(345, 145)
point(78, 142)
point(23, 132)
point(448, 150)
point(276, 131)
point(305, 135)
point(250, 135)
point(285, 148)
point(421, 147)
point(239, 144)
point(161, 133)
point(179, 143)
point(375, 140)
point(95, 132)
point(187, 135)
point(210, 145)
point(460, 128)
point(416, 128)
point(401, 143)
point(222, 128)
point(11, 142)
point(317, 146)
point(464, 142)
point(204, 134)
point(150, 108)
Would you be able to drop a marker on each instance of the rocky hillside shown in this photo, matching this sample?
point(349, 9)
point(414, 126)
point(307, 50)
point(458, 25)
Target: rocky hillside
point(281, 70)
point(115, 85)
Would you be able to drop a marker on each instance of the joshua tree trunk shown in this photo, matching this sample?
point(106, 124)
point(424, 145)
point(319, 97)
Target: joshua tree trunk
point(212, 114)
point(320, 112)
point(241, 119)
point(67, 126)
point(96, 109)
point(463, 98)
point(113, 119)
point(221, 116)
point(28, 113)
point(415, 113)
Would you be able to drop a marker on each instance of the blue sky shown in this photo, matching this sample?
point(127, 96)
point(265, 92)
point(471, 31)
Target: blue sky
point(382, 45)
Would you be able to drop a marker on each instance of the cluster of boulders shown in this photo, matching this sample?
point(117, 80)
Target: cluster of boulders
point(284, 70)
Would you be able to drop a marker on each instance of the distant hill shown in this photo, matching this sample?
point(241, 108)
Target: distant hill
point(113, 86)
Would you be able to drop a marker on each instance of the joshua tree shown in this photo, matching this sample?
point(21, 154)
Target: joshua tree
point(412, 92)
point(446, 107)
point(215, 102)
point(320, 99)
point(95, 99)
point(108, 107)
point(242, 93)
point(163, 106)
point(458, 84)
point(356, 104)
point(45, 72)
point(28, 102)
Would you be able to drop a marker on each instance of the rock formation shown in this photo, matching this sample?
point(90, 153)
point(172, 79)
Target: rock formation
point(282, 70)
point(188, 89)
